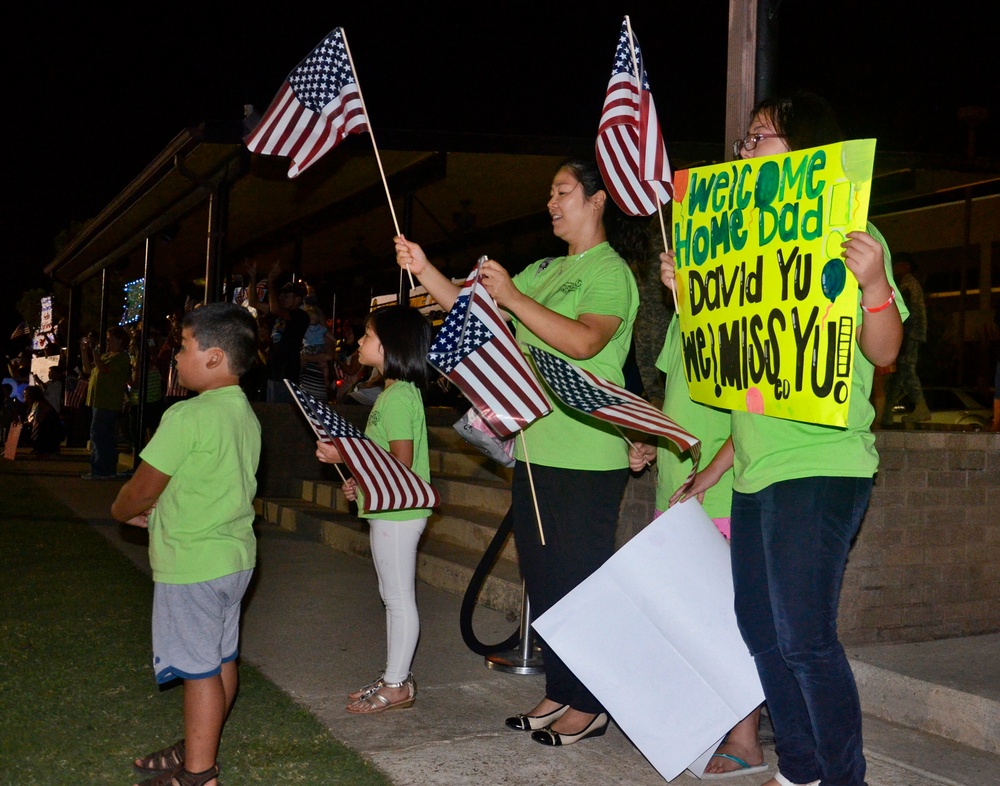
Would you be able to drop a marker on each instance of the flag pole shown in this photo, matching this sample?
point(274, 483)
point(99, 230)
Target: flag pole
point(531, 481)
point(378, 158)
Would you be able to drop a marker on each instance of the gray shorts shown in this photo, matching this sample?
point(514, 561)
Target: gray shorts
point(196, 627)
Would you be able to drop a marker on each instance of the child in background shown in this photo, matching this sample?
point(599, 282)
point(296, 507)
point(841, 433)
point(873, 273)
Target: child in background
point(317, 354)
point(395, 343)
point(45, 426)
point(194, 491)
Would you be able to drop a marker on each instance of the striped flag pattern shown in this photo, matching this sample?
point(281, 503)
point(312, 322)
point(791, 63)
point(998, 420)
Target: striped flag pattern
point(318, 105)
point(601, 399)
point(475, 349)
point(630, 150)
point(387, 484)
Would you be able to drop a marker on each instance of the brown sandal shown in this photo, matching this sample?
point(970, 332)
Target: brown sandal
point(374, 702)
point(166, 760)
point(181, 777)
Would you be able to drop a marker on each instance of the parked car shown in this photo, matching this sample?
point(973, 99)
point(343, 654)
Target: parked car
point(963, 409)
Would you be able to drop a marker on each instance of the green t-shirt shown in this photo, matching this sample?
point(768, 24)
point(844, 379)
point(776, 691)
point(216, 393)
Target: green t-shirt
point(107, 388)
point(769, 449)
point(708, 424)
point(398, 414)
point(202, 526)
point(595, 282)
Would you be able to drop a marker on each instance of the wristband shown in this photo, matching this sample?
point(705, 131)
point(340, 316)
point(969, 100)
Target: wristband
point(884, 306)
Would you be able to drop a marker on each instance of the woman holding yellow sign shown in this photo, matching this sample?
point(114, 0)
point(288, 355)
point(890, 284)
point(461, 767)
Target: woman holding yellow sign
point(800, 491)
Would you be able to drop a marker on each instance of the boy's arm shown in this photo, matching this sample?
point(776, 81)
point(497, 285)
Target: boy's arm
point(139, 495)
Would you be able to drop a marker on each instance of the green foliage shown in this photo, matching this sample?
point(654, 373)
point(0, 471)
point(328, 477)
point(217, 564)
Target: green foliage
point(78, 701)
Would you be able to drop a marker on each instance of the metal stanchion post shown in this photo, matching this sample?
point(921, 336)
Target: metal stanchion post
point(523, 660)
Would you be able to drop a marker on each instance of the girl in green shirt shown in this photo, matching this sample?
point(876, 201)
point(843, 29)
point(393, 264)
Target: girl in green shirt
point(395, 343)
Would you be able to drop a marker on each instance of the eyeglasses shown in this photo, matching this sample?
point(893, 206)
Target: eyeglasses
point(749, 142)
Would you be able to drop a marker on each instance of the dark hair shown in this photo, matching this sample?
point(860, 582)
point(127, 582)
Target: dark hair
point(228, 327)
point(121, 334)
point(803, 118)
point(627, 235)
point(406, 338)
point(33, 393)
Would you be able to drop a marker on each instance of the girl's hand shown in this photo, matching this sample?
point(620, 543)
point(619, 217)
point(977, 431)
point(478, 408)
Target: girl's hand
point(863, 256)
point(640, 455)
point(410, 255)
point(142, 520)
point(498, 283)
point(327, 453)
point(350, 489)
point(668, 270)
point(698, 487)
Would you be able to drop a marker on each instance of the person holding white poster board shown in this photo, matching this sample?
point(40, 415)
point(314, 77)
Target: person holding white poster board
point(740, 752)
point(799, 493)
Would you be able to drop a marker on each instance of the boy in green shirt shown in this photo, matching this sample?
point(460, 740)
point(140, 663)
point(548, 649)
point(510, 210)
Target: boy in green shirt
point(194, 492)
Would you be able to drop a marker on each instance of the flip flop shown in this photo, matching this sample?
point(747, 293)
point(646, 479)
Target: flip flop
point(744, 768)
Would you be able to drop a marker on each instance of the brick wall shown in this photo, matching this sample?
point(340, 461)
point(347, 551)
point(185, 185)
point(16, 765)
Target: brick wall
point(926, 563)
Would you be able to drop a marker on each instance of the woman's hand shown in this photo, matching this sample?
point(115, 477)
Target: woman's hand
point(327, 453)
point(640, 455)
point(668, 270)
point(350, 489)
point(410, 255)
point(497, 282)
point(863, 256)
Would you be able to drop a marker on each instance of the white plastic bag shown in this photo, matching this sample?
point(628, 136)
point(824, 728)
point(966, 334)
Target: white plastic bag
point(477, 432)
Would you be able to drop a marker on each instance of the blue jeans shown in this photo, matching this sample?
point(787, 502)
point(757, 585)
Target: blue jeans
point(789, 549)
point(104, 442)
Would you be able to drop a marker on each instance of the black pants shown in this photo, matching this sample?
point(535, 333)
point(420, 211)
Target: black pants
point(579, 510)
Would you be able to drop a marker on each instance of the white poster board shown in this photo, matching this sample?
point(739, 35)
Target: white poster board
point(653, 635)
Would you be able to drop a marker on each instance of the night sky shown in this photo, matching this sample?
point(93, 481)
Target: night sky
point(101, 94)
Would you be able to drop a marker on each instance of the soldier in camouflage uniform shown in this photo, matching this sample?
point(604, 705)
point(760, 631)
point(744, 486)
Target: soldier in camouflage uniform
point(905, 382)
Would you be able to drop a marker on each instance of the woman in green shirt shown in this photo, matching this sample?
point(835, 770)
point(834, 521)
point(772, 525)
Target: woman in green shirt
point(580, 307)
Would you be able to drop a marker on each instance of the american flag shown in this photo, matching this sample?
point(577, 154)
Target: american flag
point(318, 105)
point(601, 399)
point(387, 484)
point(475, 349)
point(630, 150)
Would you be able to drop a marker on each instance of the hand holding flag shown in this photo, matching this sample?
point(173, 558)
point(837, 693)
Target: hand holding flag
point(387, 484)
point(475, 349)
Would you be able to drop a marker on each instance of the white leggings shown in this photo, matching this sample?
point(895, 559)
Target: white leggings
point(394, 551)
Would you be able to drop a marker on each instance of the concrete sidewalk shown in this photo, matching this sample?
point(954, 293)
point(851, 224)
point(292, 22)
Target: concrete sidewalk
point(315, 626)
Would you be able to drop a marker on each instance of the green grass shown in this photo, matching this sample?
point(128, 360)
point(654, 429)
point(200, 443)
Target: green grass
point(78, 700)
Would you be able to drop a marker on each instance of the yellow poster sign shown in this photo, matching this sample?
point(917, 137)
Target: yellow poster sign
point(767, 307)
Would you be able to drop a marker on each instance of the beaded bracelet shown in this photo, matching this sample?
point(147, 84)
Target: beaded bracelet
point(884, 306)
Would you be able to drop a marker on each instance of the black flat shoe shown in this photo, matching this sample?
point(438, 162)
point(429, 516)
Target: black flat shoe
point(535, 722)
point(595, 728)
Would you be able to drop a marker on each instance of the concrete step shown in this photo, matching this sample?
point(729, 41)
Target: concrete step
point(942, 687)
point(442, 561)
point(469, 516)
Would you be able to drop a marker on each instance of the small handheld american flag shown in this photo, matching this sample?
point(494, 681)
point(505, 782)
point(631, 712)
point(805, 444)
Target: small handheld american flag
point(318, 105)
point(601, 399)
point(475, 349)
point(387, 484)
point(630, 150)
